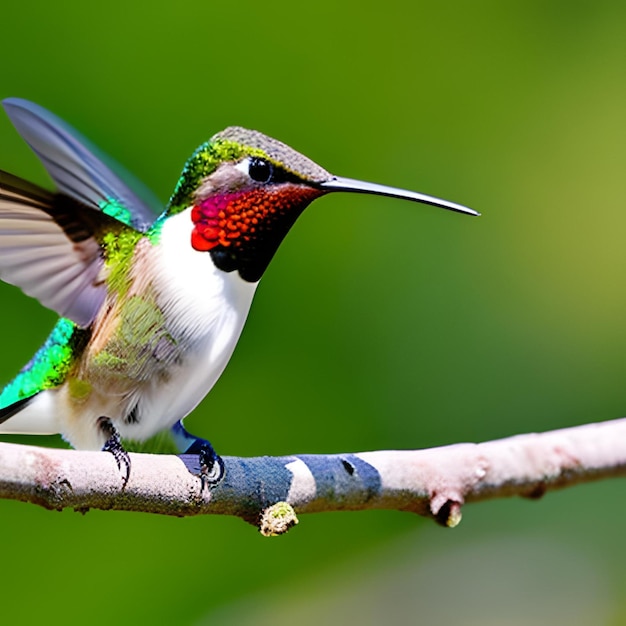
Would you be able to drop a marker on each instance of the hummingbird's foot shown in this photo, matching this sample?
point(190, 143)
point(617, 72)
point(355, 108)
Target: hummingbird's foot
point(199, 456)
point(212, 468)
point(114, 445)
point(204, 462)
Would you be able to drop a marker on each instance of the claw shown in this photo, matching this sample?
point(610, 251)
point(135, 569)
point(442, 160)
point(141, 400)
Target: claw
point(114, 445)
point(212, 468)
point(206, 464)
point(199, 456)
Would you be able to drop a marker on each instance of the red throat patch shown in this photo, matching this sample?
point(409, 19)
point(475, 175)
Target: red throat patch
point(233, 219)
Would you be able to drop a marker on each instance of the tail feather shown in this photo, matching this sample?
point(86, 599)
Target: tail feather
point(34, 415)
point(9, 411)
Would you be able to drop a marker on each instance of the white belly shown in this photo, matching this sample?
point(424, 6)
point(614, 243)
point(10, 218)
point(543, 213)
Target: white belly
point(164, 403)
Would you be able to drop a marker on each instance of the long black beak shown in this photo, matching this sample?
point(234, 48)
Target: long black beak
point(348, 184)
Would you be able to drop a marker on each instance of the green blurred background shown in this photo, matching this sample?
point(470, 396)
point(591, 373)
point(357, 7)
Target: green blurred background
point(380, 324)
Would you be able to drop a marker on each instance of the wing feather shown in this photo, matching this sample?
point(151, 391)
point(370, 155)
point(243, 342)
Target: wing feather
point(77, 168)
point(50, 243)
point(49, 247)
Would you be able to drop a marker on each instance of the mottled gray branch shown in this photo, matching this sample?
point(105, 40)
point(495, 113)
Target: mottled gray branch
point(268, 491)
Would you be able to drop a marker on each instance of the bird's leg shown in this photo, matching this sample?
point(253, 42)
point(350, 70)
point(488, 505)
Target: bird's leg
point(198, 455)
point(114, 445)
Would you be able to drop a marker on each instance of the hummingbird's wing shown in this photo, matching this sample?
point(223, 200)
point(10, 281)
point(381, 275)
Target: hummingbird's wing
point(50, 248)
point(78, 171)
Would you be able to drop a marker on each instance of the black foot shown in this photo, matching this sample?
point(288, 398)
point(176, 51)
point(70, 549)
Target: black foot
point(199, 456)
point(114, 445)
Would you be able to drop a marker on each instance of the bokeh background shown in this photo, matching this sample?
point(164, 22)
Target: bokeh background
point(380, 324)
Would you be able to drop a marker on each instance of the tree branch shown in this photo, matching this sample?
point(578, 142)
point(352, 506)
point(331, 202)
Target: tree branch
point(267, 490)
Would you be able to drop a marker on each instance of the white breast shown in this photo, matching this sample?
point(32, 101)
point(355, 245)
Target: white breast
point(200, 302)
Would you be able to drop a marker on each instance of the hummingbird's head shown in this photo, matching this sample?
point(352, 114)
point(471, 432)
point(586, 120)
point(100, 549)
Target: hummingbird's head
point(244, 191)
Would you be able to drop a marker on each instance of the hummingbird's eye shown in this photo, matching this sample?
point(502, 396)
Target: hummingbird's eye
point(260, 170)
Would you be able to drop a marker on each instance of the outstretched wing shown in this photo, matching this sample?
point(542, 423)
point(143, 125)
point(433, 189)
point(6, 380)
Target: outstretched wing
point(75, 167)
point(50, 243)
point(50, 248)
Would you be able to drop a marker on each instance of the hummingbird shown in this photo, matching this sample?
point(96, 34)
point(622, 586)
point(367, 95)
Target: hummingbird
point(152, 300)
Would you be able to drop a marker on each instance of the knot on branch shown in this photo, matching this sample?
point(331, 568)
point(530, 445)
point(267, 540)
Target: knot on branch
point(277, 519)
